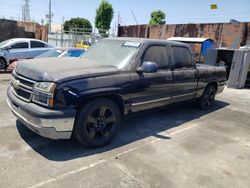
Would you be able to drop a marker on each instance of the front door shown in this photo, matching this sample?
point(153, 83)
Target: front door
point(152, 89)
point(18, 51)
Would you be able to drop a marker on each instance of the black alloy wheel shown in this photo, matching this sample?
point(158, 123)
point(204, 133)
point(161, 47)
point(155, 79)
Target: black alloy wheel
point(207, 99)
point(97, 122)
point(100, 122)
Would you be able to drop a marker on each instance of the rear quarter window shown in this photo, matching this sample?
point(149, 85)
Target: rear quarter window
point(37, 44)
point(182, 57)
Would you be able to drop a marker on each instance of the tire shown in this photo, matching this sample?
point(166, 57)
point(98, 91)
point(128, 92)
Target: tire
point(3, 63)
point(206, 101)
point(97, 122)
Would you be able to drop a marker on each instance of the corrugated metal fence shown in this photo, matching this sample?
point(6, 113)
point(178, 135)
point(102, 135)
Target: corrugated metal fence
point(230, 35)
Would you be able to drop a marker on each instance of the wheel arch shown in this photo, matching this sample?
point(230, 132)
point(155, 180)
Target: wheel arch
point(215, 84)
point(116, 98)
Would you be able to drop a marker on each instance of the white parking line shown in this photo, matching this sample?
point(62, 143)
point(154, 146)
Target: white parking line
point(106, 160)
point(68, 173)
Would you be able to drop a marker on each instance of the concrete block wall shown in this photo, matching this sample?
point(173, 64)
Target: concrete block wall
point(14, 29)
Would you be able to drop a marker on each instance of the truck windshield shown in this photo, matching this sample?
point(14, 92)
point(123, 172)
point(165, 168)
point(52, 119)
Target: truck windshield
point(112, 52)
point(51, 53)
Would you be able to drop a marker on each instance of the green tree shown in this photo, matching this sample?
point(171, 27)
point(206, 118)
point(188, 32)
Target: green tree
point(82, 24)
point(157, 17)
point(104, 15)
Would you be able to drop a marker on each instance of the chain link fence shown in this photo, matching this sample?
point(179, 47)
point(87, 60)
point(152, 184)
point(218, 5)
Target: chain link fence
point(77, 36)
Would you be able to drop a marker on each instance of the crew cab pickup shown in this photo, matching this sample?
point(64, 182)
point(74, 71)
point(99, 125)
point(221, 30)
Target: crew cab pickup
point(87, 97)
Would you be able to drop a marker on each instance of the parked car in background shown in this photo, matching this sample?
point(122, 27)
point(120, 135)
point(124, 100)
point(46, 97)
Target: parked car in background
point(83, 44)
point(21, 48)
point(87, 97)
point(55, 52)
point(63, 52)
point(199, 46)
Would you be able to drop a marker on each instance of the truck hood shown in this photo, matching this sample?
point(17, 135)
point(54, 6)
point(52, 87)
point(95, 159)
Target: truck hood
point(62, 69)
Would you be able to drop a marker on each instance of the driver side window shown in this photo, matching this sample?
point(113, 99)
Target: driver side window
point(157, 54)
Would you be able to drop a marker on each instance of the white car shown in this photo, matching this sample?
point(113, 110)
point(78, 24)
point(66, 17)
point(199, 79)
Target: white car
point(21, 48)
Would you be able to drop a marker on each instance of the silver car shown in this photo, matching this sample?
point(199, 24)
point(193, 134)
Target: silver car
point(21, 48)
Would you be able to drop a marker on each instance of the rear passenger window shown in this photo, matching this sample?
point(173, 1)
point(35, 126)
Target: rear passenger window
point(157, 54)
point(20, 45)
point(182, 57)
point(37, 44)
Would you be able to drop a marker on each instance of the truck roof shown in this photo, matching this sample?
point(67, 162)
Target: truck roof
point(189, 39)
point(147, 40)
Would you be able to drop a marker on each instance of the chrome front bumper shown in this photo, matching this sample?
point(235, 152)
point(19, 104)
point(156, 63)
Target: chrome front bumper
point(53, 128)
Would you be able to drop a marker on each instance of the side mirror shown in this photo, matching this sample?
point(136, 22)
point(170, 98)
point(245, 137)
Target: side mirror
point(148, 67)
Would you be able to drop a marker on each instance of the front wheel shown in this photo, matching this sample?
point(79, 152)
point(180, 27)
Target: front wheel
point(207, 99)
point(97, 122)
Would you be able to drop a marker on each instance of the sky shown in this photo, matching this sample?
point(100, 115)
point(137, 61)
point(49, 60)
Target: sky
point(177, 11)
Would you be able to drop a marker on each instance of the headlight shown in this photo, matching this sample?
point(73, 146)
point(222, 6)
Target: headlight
point(45, 86)
point(43, 93)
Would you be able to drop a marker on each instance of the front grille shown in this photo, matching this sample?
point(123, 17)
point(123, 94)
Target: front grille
point(23, 93)
point(24, 81)
point(22, 87)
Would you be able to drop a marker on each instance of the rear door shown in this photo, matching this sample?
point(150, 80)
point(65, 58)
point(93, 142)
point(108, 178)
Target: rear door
point(37, 48)
point(152, 89)
point(185, 74)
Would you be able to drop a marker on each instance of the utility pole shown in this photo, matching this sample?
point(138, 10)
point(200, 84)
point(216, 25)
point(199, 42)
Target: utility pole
point(62, 32)
point(119, 20)
point(49, 16)
point(26, 11)
point(118, 23)
point(42, 21)
point(23, 13)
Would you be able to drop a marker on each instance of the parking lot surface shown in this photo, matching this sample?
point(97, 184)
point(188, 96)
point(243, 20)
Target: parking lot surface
point(175, 147)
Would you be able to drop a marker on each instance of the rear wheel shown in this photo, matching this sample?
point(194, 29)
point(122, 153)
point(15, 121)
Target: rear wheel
point(97, 122)
point(3, 63)
point(207, 99)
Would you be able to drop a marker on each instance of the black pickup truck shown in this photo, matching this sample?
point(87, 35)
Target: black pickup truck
point(87, 97)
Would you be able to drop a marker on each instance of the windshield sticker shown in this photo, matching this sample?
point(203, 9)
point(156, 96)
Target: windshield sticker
point(132, 44)
point(59, 51)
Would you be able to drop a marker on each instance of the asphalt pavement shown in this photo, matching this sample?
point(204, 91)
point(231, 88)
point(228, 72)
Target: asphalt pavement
point(176, 147)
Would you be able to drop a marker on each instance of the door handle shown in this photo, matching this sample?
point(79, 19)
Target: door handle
point(169, 78)
point(189, 77)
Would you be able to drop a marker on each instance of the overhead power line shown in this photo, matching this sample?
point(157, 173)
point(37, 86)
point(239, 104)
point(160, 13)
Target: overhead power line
point(134, 17)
